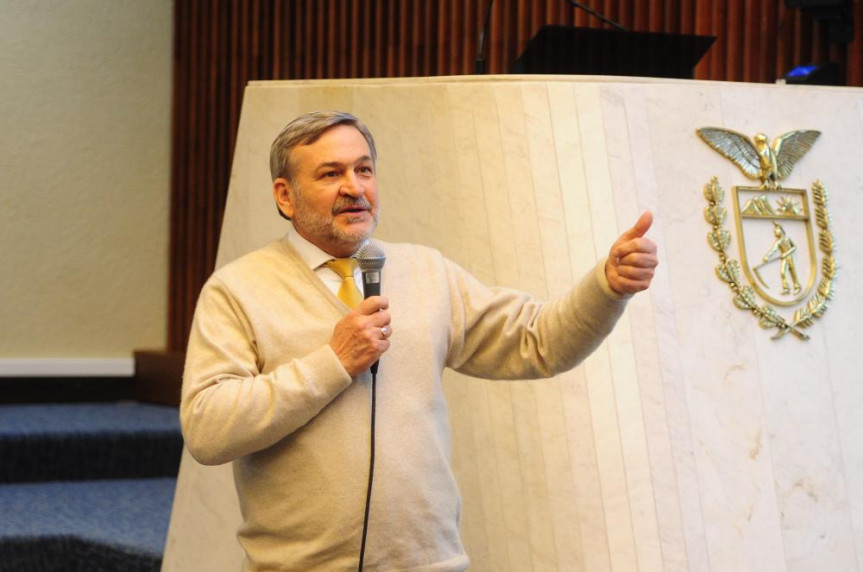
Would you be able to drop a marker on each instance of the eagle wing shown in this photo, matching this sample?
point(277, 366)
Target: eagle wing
point(736, 147)
point(790, 148)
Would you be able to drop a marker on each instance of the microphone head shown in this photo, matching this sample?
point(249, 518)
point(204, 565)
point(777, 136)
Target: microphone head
point(371, 257)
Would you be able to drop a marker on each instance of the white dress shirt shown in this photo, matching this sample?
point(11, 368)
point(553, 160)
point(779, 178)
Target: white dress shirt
point(317, 259)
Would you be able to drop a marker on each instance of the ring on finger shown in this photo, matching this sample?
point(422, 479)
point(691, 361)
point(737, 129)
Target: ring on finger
point(385, 332)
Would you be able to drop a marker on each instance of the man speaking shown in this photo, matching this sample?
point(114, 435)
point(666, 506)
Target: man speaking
point(278, 377)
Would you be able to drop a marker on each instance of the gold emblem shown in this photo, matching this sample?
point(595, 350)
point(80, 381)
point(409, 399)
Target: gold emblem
point(774, 231)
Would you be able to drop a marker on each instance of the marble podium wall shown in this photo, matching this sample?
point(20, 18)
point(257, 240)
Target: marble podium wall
point(690, 440)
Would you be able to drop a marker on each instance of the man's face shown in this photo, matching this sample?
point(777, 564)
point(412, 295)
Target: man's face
point(332, 200)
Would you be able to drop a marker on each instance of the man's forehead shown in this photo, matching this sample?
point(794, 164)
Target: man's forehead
point(338, 144)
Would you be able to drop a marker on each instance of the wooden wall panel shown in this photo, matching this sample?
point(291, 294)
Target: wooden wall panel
point(220, 46)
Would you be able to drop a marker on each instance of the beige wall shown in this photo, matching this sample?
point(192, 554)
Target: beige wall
point(84, 176)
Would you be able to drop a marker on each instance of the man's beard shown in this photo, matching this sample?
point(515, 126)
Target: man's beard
point(309, 222)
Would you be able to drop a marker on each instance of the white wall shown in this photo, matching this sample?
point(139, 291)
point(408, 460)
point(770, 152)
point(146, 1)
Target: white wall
point(85, 93)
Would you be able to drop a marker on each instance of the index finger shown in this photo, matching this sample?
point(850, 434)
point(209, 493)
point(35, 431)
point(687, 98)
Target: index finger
point(635, 245)
point(372, 304)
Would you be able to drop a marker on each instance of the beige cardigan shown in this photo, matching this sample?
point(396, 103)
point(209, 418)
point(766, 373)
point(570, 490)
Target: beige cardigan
point(263, 388)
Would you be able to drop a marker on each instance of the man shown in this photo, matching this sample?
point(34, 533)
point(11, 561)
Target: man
point(277, 376)
point(786, 248)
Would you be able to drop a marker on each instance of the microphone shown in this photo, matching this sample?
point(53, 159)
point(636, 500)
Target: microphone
point(371, 258)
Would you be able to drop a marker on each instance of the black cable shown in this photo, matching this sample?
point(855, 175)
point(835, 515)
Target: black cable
point(371, 471)
point(596, 14)
point(479, 62)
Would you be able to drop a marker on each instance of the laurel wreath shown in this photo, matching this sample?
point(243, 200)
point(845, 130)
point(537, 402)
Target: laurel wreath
point(745, 298)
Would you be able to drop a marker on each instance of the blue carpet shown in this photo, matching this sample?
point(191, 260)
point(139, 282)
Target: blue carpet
point(95, 524)
point(88, 441)
point(86, 418)
point(86, 487)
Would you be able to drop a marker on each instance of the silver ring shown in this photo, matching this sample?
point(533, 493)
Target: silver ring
point(384, 331)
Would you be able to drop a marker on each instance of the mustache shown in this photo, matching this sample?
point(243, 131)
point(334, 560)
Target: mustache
point(347, 203)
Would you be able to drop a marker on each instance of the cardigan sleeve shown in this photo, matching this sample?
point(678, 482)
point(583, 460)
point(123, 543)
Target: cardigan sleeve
point(502, 333)
point(229, 408)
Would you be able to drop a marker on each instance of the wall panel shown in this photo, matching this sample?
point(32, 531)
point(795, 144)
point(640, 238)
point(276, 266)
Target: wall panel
point(690, 440)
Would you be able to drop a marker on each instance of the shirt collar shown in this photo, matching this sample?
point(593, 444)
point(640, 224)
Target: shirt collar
point(311, 254)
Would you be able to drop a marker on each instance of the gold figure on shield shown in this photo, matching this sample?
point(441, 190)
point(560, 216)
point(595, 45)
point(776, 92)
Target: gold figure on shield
point(786, 249)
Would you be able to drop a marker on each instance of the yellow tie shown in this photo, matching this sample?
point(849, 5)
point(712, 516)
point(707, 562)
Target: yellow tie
point(348, 291)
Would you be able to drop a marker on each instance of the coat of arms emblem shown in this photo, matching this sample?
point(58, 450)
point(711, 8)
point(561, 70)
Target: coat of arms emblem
point(775, 231)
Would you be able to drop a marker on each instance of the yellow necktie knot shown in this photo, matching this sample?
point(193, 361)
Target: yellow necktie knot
point(348, 291)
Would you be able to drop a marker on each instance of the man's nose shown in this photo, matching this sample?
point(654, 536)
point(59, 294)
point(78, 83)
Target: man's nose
point(352, 185)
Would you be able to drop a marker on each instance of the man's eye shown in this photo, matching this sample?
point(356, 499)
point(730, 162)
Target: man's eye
point(366, 170)
point(331, 174)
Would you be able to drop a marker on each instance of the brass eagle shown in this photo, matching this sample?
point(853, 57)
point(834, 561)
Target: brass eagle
point(755, 157)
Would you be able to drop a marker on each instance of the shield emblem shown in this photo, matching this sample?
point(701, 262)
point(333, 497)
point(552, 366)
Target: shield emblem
point(776, 241)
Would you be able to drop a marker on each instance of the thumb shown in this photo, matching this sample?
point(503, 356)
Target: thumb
point(641, 226)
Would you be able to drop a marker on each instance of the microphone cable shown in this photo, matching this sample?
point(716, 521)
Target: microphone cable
point(371, 471)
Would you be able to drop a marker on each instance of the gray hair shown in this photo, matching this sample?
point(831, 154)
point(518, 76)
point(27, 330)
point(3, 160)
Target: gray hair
point(305, 130)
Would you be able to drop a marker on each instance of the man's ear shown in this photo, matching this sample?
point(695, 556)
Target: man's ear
point(282, 194)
